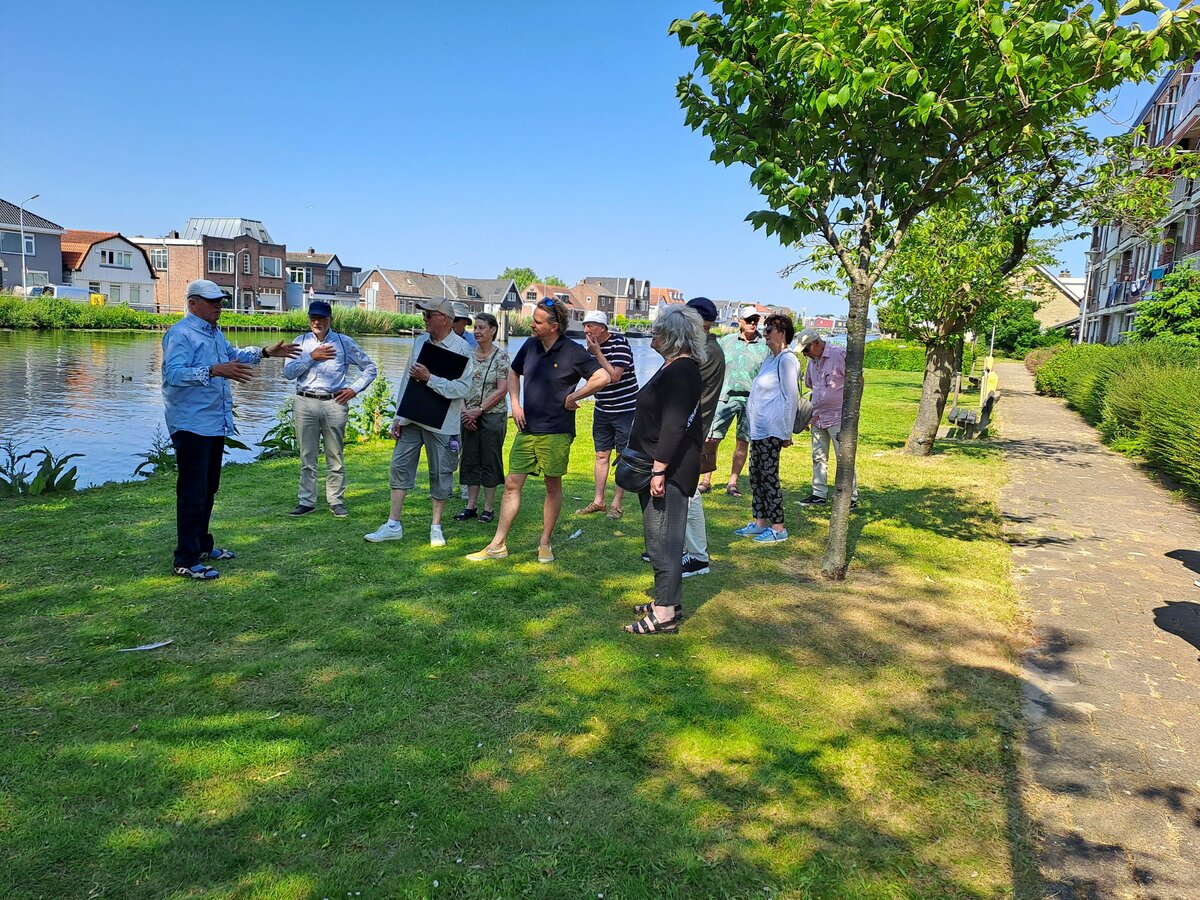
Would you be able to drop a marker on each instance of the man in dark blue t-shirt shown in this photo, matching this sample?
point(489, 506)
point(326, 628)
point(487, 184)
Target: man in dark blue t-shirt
point(551, 366)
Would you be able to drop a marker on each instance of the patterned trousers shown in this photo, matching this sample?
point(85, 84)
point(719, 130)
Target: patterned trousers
point(766, 492)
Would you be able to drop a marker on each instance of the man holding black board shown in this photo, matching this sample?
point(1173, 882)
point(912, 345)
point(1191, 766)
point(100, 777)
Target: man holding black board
point(551, 366)
point(428, 414)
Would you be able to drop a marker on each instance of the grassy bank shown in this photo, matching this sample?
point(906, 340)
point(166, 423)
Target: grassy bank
point(49, 313)
point(336, 717)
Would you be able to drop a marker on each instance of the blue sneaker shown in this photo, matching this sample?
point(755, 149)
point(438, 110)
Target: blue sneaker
point(771, 536)
point(750, 530)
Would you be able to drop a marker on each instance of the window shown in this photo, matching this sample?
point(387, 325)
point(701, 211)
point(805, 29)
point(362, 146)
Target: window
point(114, 293)
point(135, 295)
point(332, 277)
point(221, 262)
point(93, 287)
point(531, 295)
point(121, 258)
point(158, 259)
point(36, 279)
point(246, 263)
point(30, 246)
point(10, 242)
point(299, 274)
point(270, 266)
point(471, 291)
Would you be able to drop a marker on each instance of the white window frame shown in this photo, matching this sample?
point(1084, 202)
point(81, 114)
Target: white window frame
point(114, 292)
point(299, 274)
point(16, 238)
point(277, 268)
point(135, 295)
point(159, 258)
point(333, 277)
point(30, 244)
point(220, 262)
point(116, 259)
point(36, 278)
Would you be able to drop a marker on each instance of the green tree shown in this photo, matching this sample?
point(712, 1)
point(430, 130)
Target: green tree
point(856, 117)
point(1172, 310)
point(554, 281)
point(523, 276)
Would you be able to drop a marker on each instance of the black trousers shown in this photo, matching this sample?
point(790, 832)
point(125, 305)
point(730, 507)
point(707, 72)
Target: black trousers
point(199, 459)
point(664, 520)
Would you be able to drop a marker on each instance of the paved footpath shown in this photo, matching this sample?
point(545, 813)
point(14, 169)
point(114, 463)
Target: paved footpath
point(1105, 559)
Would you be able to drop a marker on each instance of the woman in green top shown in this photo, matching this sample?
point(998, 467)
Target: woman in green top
point(484, 422)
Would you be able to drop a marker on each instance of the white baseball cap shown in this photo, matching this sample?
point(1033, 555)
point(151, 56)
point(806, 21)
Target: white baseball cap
point(206, 290)
point(748, 312)
point(596, 317)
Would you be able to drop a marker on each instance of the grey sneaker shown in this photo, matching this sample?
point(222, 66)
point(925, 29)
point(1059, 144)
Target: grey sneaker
point(301, 510)
point(385, 532)
point(436, 538)
point(339, 510)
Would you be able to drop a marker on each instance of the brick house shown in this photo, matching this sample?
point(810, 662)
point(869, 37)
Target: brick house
point(237, 254)
point(661, 298)
point(323, 277)
point(588, 297)
point(398, 290)
point(632, 294)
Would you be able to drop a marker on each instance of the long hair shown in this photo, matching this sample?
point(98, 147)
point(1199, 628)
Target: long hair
point(680, 330)
point(558, 312)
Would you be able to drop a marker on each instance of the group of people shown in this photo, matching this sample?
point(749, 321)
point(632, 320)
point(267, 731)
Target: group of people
point(669, 429)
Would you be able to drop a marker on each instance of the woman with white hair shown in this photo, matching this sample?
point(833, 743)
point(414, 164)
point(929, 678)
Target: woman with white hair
point(667, 434)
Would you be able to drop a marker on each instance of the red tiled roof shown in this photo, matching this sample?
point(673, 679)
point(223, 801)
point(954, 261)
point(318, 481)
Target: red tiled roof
point(76, 244)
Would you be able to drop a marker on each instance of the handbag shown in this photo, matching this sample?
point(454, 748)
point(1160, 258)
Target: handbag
point(708, 456)
point(633, 470)
point(804, 414)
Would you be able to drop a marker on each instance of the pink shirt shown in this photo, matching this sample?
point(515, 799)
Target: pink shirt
point(826, 375)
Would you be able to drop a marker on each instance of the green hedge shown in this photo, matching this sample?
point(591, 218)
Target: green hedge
point(1035, 359)
point(1143, 397)
point(905, 356)
point(48, 312)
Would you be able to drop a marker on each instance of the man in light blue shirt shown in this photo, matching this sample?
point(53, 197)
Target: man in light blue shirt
point(198, 364)
point(322, 403)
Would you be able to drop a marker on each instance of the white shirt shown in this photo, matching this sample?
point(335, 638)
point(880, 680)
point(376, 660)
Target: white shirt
point(774, 396)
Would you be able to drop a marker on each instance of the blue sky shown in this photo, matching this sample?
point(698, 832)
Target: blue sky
point(463, 137)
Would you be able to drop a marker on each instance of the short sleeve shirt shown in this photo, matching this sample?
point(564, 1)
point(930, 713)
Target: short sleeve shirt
point(488, 375)
point(550, 375)
point(622, 396)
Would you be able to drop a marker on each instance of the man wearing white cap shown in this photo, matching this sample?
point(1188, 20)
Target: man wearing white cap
point(613, 417)
point(825, 376)
point(441, 441)
point(198, 364)
point(462, 321)
point(744, 352)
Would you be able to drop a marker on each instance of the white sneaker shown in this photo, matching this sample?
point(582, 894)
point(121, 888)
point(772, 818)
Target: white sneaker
point(436, 538)
point(465, 494)
point(385, 532)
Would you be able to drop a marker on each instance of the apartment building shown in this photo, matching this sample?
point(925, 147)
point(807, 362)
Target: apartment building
point(1124, 267)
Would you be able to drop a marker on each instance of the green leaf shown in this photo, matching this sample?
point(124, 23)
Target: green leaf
point(844, 95)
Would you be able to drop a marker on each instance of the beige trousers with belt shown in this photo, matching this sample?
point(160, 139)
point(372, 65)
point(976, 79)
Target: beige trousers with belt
point(317, 421)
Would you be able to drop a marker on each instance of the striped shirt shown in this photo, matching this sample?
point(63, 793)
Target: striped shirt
point(622, 396)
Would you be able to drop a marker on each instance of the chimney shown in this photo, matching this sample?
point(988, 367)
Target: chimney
point(311, 251)
point(1065, 273)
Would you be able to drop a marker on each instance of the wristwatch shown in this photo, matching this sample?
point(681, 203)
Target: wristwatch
point(653, 473)
point(265, 354)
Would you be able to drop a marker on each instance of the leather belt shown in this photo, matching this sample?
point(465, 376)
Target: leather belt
point(313, 395)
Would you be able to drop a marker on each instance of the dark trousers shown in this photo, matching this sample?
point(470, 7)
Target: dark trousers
point(664, 520)
point(766, 492)
point(199, 461)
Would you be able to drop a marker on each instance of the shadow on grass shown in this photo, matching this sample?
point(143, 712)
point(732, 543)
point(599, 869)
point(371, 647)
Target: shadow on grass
point(336, 716)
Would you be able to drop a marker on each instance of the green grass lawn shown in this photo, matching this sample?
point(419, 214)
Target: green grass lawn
point(337, 717)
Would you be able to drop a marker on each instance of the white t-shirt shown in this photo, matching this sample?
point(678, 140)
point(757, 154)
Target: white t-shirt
point(774, 396)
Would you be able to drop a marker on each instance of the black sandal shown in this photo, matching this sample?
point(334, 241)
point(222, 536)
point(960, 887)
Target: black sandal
point(465, 514)
point(651, 625)
point(486, 516)
point(642, 608)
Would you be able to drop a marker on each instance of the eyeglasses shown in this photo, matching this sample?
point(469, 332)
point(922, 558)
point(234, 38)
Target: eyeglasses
point(548, 302)
point(769, 329)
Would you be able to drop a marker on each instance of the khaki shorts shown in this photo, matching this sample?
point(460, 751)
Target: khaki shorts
point(547, 455)
point(441, 459)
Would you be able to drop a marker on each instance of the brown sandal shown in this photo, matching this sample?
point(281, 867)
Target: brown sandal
point(592, 507)
point(651, 625)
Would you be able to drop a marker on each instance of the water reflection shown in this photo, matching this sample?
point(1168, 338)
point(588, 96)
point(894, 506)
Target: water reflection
point(98, 393)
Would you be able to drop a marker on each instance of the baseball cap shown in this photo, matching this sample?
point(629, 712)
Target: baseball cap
point(704, 306)
point(320, 308)
point(206, 290)
point(438, 304)
point(596, 317)
point(749, 312)
point(807, 336)
point(461, 311)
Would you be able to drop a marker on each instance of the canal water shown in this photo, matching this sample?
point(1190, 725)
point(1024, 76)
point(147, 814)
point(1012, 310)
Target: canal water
point(99, 392)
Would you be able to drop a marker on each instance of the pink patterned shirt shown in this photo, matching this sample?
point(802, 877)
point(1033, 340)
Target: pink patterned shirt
point(826, 375)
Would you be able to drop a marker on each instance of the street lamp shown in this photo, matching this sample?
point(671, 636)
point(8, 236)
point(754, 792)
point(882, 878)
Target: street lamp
point(237, 297)
point(24, 287)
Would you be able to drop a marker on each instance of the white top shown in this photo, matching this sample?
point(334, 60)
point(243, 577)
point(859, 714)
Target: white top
point(774, 396)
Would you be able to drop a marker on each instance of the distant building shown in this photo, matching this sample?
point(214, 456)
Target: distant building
point(661, 298)
point(1058, 297)
point(588, 297)
point(43, 248)
point(632, 295)
point(399, 290)
point(237, 254)
point(1124, 267)
point(322, 276)
point(108, 263)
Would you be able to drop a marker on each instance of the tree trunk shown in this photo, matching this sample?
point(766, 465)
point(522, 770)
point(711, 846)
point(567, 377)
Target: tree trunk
point(940, 357)
point(836, 559)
